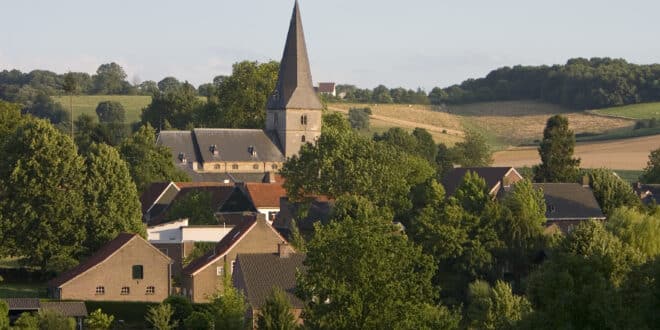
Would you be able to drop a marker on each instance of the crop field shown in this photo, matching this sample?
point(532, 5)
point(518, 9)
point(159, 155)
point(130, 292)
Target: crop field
point(633, 111)
point(133, 104)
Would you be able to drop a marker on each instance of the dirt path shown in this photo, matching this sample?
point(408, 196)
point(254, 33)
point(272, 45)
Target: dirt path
point(405, 123)
point(625, 154)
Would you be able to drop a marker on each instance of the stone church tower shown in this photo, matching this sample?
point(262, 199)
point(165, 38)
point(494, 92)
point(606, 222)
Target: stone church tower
point(293, 114)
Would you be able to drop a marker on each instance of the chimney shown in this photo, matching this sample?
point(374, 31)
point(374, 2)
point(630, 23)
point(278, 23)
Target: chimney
point(585, 181)
point(284, 250)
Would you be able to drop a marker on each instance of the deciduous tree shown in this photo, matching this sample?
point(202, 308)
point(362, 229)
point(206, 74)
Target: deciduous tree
point(610, 191)
point(652, 171)
point(473, 151)
point(275, 314)
point(196, 207)
point(160, 317)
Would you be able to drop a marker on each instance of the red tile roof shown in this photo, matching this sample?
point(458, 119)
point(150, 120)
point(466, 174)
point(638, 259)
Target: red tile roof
point(101, 255)
point(266, 194)
point(225, 244)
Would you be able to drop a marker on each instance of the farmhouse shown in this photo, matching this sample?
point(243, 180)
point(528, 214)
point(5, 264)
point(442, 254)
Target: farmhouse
point(127, 268)
point(293, 118)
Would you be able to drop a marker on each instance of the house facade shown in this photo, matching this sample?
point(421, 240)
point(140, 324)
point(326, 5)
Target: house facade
point(204, 276)
point(127, 268)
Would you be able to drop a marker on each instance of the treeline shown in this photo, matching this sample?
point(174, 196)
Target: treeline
point(580, 84)
point(380, 94)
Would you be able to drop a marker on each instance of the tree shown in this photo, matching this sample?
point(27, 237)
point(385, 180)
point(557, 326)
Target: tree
point(198, 321)
point(70, 86)
point(53, 320)
point(444, 161)
point(426, 147)
point(160, 317)
point(637, 229)
point(44, 107)
point(148, 162)
point(175, 106)
point(97, 320)
point(275, 314)
point(229, 307)
point(495, 307)
point(197, 206)
point(556, 151)
point(652, 171)
point(473, 151)
point(148, 87)
point(41, 199)
point(4, 315)
point(169, 84)
point(27, 321)
point(362, 273)
point(359, 118)
point(110, 112)
point(10, 118)
point(110, 78)
point(610, 191)
point(88, 132)
point(181, 308)
point(111, 199)
point(472, 193)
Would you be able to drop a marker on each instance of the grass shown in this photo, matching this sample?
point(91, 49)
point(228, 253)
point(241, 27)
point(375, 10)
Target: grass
point(633, 111)
point(23, 290)
point(620, 133)
point(631, 176)
point(133, 104)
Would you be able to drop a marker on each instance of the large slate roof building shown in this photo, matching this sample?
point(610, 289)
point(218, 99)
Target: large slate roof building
point(293, 118)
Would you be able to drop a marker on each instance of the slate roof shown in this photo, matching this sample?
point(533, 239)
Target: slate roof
point(179, 142)
point(66, 308)
point(235, 145)
point(225, 244)
point(265, 194)
point(263, 271)
point(569, 201)
point(22, 303)
point(492, 176)
point(319, 210)
point(294, 88)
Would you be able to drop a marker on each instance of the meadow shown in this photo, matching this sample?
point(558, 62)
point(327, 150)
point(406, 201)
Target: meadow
point(633, 111)
point(86, 104)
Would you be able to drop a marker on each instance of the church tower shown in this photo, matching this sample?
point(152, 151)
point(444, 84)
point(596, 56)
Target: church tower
point(293, 114)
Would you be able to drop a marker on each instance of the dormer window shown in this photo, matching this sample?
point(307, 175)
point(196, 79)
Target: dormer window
point(214, 150)
point(252, 151)
point(182, 157)
point(552, 208)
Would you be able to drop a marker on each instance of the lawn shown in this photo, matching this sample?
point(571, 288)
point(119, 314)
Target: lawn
point(23, 290)
point(633, 111)
point(133, 104)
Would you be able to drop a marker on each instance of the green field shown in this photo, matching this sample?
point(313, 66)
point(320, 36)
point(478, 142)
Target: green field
point(633, 111)
point(23, 290)
point(133, 104)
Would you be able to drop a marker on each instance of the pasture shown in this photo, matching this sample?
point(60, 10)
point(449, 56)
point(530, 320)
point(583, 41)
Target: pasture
point(633, 111)
point(133, 104)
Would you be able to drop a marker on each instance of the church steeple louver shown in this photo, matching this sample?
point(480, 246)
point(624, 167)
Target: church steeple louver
point(294, 89)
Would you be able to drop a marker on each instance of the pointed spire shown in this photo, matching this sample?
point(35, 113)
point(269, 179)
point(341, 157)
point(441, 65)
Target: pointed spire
point(294, 89)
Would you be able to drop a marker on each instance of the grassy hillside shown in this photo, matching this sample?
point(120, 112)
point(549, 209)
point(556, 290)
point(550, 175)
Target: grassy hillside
point(133, 104)
point(633, 111)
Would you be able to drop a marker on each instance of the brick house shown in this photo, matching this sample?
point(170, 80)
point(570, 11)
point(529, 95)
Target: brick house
point(127, 268)
point(203, 277)
point(497, 178)
point(256, 274)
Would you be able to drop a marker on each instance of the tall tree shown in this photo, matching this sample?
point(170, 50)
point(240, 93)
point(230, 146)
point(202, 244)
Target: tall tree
point(556, 150)
point(228, 306)
point(168, 84)
point(275, 314)
point(652, 171)
point(473, 151)
point(495, 307)
point(40, 196)
point(362, 273)
point(113, 205)
point(610, 191)
point(112, 118)
point(110, 78)
point(147, 161)
point(174, 107)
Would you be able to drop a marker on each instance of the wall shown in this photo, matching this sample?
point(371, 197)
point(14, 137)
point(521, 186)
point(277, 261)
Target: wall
point(204, 233)
point(166, 233)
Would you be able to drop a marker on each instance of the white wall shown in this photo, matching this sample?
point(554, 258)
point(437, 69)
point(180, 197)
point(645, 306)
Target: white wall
point(166, 233)
point(204, 233)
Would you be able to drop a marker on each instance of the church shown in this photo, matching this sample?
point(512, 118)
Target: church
point(293, 118)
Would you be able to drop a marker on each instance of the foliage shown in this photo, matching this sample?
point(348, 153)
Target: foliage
point(4, 315)
point(43, 106)
point(296, 239)
point(111, 199)
point(444, 161)
point(556, 151)
point(50, 320)
point(241, 97)
point(160, 317)
point(496, 307)
point(181, 308)
point(111, 112)
point(652, 171)
point(418, 143)
point(198, 321)
point(473, 151)
point(359, 118)
point(174, 106)
point(275, 314)
point(168, 84)
point(200, 249)
point(89, 132)
point(229, 307)
point(27, 321)
point(148, 162)
point(363, 273)
point(610, 191)
point(580, 83)
point(41, 185)
point(381, 94)
point(196, 206)
point(638, 229)
point(10, 118)
point(97, 320)
point(472, 193)
point(343, 162)
point(110, 78)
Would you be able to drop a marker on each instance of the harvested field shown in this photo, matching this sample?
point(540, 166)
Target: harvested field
point(624, 154)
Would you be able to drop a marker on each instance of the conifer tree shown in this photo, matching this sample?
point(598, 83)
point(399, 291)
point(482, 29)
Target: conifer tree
point(276, 312)
point(556, 151)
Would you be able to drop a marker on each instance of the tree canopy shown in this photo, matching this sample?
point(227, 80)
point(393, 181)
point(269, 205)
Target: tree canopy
point(652, 171)
point(556, 151)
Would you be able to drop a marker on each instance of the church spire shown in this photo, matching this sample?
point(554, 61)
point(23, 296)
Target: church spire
point(294, 89)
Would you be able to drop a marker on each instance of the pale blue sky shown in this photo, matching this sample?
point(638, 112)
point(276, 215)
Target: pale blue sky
point(412, 43)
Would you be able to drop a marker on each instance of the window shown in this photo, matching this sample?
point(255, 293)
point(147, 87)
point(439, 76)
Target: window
point(274, 166)
point(255, 166)
point(303, 120)
point(232, 266)
point(125, 290)
point(151, 289)
point(138, 272)
point(100, 290)
point(234, 167)
point(216, 166)
point(302, 139)
point(219, 271)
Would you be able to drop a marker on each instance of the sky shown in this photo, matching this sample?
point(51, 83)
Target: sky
point(411, 43)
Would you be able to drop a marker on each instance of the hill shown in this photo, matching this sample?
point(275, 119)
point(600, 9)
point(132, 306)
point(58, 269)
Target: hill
point(633, 111)
point(133, 104)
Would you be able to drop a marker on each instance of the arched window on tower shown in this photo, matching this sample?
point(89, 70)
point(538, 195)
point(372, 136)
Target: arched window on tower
point(302, 139)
